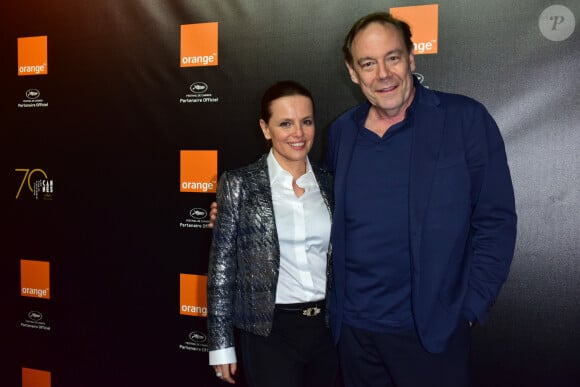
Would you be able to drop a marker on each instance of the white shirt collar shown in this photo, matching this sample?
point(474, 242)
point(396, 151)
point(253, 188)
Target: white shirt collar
point(278, 174)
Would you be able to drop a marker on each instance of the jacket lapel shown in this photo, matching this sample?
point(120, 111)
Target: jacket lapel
point(427, 137)
point(264, 191)
point(345, 151)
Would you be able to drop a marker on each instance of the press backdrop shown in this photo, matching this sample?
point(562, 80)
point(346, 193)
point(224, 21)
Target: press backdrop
point(117, 118)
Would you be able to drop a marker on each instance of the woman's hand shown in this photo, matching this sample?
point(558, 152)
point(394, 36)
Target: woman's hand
point(226, 372)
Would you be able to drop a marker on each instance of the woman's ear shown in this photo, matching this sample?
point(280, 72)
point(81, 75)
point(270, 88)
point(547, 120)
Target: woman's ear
point(265, 129)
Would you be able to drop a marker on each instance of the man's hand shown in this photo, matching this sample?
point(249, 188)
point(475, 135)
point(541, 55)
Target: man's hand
point(212, 214)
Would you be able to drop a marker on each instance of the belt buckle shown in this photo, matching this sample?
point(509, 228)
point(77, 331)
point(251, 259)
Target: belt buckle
point(311, 312)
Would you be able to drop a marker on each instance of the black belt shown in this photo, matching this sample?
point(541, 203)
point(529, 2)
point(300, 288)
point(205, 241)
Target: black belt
point(308, 309)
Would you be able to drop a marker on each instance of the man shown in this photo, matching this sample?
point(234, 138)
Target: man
point(424, 223)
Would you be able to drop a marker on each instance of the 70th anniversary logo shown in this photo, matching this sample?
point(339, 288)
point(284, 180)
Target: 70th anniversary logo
point(37, 182)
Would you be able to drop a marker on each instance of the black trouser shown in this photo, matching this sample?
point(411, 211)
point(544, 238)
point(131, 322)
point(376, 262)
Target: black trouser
point(298, 353)
point(371, 359)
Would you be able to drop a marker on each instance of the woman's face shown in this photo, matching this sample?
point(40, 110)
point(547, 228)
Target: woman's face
point(291, 129)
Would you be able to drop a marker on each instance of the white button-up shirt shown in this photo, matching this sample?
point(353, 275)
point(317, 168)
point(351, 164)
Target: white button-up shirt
point(303, 225)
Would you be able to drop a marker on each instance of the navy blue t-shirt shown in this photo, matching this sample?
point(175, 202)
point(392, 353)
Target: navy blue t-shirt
point(378, 291)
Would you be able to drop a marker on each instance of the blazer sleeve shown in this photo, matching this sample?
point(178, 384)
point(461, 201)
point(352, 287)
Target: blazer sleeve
point(493, 220)
point(222, 265)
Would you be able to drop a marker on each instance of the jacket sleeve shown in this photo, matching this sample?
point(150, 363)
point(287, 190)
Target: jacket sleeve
point(493, 220)
point(223, 266)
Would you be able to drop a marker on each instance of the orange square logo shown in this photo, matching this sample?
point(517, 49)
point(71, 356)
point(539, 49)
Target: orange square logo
point(198, 171)
point(199, 45)
point(424, 22)
point(35, 279)
point(193, 295)
point(35, 378)
point(33, 55)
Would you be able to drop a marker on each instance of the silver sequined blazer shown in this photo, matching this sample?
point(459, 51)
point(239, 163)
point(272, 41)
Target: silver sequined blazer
point(245, 254)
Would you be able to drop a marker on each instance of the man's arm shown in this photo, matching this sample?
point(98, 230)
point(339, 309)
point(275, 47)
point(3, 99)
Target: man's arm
point(493, 219)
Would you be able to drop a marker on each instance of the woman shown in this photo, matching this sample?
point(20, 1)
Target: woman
point(268, 261)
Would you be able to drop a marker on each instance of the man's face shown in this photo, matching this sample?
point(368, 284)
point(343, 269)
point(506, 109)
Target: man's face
point(383, 68)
